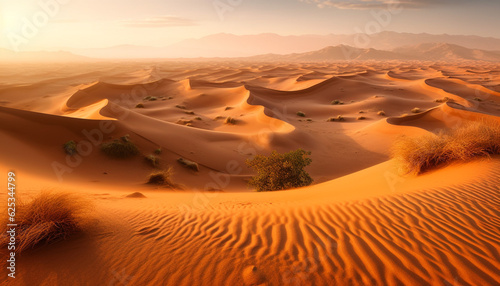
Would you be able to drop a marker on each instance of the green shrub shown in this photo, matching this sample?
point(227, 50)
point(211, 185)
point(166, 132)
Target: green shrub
point(120, 149)
point(158, 151)
point(301, 114)
point(70, 148)
point(280, 171)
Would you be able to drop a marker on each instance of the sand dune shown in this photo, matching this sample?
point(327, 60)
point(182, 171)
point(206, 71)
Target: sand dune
point(360, 223)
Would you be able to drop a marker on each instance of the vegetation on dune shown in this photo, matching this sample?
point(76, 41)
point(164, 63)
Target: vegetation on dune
point(229, 120)
point(301, 114)
point(189, 164)
point(120, 148)
point(139, 105)
point(162, 178)
point(416, 155)
point(337, 102)
point(280, 171)
point(47, 218)
point(381, 113)
point(416, 110)
point(152, 160)
point(70, 148)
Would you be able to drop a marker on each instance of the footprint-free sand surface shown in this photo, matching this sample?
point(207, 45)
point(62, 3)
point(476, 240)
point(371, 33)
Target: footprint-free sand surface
point(360, 223)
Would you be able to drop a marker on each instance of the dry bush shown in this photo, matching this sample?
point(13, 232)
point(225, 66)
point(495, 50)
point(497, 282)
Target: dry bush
point(475, 139)
point(120, 149)
point(49, 217)
point(163, 178)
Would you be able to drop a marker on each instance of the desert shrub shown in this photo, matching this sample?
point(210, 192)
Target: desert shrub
point(228, 108)
point(416, 110)
point(152, 98)
point(158, 151)
point(189, 164)
point(441, 100)
point(47, 218)
point(122, 148)
point(139, 105)
point(361, 112)
point(478, 99)
point(309, 120)
point(180, 106)
point(381, 113)
point(184, 121)
point(163, 178)
point(70, 148)
point(198, 118)
point(416, 155)
point(152, 160)
point(301, 114)
point(280, 171)
point(230, 120)
point(189, 112)
point(338, 118)
point(360, 118)
point(337, 102)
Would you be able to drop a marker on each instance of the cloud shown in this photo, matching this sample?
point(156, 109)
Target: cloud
point(377, 4)
point(159, 22)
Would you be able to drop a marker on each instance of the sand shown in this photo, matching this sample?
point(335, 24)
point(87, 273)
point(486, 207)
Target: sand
point(360, 223)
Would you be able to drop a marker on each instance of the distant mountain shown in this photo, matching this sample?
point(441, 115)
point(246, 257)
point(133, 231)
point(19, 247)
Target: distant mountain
point(429, 51)
point(445, 51)
point(229, 45)
point(11, 56)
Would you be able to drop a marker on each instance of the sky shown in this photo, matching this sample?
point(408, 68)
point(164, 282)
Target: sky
point(57, 24)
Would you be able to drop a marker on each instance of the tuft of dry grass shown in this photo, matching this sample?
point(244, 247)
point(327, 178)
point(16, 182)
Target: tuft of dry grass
point(474, 139)
point(416, 110)
point(152, 160)
point(163, 178)
point(229, 120)
point(361, 118)
point(48, 217)
point(381, 113)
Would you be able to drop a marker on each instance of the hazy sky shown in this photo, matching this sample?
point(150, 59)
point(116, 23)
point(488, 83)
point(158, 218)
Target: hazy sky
point(49, 24)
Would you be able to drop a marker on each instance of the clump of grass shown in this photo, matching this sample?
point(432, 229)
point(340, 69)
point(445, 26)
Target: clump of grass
point(478, 99)
point(190, 112)
point(228, 108)
point(339, 118)
point(381, 113)
point(337, 102)
point(47, 218)
point(158, 151)
point(189, 164)
point(152, 98)
point(121, 149)
point(362, 111)
point(162, 177)
point(419, 154)
point(184, 121)
point(309, 120)
point(442, 100)
point(360, 118)
point(139, 105)
point(219, 117)
point(229, 120)
point(416, 110)
point(180, 106)
point(198, 118)
point(301, 114)
point(70, 148)
point(152, 160)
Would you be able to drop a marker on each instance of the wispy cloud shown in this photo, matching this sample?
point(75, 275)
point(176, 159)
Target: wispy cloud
point(159, 22)
point(377, 4)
